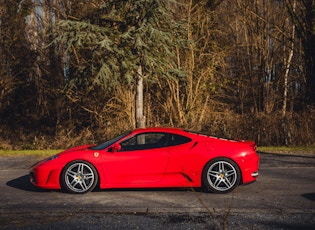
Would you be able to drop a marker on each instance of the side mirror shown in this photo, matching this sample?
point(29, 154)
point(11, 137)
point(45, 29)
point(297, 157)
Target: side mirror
point(115, 148)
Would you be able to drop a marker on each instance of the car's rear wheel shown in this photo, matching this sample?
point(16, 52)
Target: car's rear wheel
point(78, 177)
point(221, 175)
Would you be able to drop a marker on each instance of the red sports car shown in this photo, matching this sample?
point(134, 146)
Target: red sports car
point(151, 158)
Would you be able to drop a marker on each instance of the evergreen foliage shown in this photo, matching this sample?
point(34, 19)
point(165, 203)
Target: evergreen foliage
point(121, 36)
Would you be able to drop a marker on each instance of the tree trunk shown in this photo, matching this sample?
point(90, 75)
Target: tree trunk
point(140, 118)
point(287, 68)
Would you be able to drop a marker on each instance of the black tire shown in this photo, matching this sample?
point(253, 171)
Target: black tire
point(221, 175)
point(78, 177)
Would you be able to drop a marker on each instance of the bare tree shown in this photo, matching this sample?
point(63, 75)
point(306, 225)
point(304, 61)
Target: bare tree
point(187, 99)
point(303, 15)
point(287, 64)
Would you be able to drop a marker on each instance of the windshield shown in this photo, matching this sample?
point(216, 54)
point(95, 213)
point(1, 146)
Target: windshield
point(109, 143)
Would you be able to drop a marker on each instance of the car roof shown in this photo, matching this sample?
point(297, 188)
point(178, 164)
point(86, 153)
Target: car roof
point(180, 131)
point(159, 129)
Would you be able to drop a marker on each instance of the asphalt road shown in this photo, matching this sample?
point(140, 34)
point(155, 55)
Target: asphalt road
point(283, 197)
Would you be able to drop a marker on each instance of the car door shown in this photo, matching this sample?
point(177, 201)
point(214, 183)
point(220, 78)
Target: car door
point(182, 155)
point(142, 159)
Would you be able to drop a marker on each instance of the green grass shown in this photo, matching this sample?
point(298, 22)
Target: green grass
point(267, 149)
point(287, 150)
point(39, 153)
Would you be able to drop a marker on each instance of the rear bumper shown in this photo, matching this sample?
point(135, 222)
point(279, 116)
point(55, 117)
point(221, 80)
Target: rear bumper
point(250, 169)
point(255, 174)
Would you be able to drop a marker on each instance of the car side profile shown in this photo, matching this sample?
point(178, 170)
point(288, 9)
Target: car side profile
point(151, 158)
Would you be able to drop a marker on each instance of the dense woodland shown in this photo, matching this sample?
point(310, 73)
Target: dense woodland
point(78, 71)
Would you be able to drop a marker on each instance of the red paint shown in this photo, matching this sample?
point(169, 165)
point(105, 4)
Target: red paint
point(161, 166)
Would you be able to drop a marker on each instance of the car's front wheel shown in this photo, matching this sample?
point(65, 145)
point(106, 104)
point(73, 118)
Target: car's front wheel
point(221, 175)
point(78, 177)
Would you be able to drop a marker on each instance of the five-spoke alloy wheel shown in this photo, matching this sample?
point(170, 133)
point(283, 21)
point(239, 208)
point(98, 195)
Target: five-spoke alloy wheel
point(221, 175)
point(79, 177)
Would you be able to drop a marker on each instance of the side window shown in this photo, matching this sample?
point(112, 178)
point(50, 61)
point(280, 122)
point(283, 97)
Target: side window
point(178, 140)
point(144, 141)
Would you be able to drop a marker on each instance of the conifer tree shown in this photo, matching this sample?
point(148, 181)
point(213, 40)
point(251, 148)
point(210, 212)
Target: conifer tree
point(119, 42)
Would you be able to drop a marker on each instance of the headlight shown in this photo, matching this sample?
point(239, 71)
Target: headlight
point(52, 158)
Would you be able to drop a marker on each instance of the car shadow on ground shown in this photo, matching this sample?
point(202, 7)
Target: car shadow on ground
point(23, 183)
point(197, 190)
point(309, 196)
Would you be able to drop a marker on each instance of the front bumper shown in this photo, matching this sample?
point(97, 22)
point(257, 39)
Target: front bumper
point(45, 176)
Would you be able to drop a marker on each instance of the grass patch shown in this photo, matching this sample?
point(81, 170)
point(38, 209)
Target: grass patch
point(287, 150)
point(299, 150)
point(38, 153)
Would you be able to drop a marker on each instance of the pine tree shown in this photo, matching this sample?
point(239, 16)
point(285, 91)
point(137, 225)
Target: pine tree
point(122, 42)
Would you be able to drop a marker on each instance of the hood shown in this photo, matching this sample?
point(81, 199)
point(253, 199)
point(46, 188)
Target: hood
point(77, 148)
